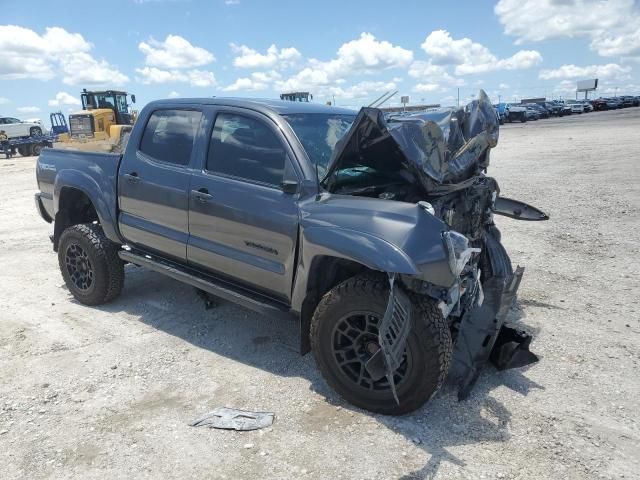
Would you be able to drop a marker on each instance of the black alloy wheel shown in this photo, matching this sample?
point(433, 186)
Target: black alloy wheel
point(79, 267)
point(354, 342)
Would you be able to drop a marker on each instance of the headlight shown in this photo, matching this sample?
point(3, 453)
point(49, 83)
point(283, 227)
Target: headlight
point(458, 251)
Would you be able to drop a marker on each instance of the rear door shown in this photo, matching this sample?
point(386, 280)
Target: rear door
point(153, 182)
point(242, 225)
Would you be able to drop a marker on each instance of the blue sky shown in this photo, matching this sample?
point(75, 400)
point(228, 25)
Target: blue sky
point(351, 51)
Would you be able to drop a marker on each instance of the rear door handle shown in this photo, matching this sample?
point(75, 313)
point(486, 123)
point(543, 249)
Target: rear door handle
point(132, 177)
point(202, 195)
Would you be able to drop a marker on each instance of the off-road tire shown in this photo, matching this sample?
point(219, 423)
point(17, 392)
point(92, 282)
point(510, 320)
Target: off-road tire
point(107, 268)
point(35, 131)
point(428, 345)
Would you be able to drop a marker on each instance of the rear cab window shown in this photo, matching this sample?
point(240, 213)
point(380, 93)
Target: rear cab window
point(169, 135)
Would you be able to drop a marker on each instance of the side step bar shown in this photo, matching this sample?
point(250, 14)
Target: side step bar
point(215, 287)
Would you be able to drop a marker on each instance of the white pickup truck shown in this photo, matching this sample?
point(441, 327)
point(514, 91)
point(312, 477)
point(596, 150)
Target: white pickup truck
point(15, 128)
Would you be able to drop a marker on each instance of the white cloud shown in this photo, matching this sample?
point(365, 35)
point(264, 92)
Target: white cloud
point(4, 100)
point(201, 78)
point(232, 2)
point(427, 87)
point(26, 54)
point(174, 52)
point(173, 94)
point(613, 26)
point(609, 71)
point(196, 78)
point(432, 78)
point(257, 81)
point(63, 98)
point(82, 69)
point(246, 84)
point(470, 57)
point(504, 86)
point(274, 57)
point(365, 55)
point(358, 91)
point(28, 109)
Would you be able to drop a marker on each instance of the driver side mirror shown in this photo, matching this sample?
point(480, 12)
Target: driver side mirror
point(133, 98)
point(289, 186)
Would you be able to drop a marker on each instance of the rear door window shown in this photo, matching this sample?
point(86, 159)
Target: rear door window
point(169, 135)
point(246, 148)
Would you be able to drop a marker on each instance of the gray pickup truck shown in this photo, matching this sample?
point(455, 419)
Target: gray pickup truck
point(375, 233)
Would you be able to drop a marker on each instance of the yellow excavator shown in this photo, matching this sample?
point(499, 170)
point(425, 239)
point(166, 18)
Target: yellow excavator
point(104, 122)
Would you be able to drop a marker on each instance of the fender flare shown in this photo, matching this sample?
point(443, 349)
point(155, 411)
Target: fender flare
point(369, 250)
point(102, 195)
point(366, 249)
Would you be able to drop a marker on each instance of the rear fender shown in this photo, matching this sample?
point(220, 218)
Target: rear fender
point(100, 192)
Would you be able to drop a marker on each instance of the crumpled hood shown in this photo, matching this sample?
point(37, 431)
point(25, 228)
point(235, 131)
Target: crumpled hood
point(441, 149)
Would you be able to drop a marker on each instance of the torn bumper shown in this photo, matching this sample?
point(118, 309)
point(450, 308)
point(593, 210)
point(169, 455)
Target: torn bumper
point(483, 335)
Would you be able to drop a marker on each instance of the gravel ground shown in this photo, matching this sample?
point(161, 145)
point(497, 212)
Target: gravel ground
point(107, 392)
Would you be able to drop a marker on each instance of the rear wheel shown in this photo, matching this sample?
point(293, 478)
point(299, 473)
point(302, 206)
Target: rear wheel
point(36, 149)
point(90, 266)
point(24, 151)
point(344, 335)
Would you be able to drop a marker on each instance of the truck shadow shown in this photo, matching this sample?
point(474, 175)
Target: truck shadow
point(272, 346)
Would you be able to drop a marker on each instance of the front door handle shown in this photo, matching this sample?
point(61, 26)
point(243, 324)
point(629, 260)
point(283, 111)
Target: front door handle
point(202, 195)
point(132, 177)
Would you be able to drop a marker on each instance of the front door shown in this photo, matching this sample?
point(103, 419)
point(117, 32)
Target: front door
point(153, 183)
point(242, 225)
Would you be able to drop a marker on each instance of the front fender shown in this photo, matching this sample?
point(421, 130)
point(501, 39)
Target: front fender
point(363, 248)
point(366, 249)
point(101, 192)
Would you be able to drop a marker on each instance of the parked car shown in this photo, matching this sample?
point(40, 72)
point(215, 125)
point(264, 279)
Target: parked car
point(500, 115)
point(600, 104)
point(516, 112)
point(532, 113)
point(566, 108)
point(554, 109)
point(576, 107)
point(613, 103)
point(15, 128)
point(586, 106)
point(542, 112)
point(257, 202)
point(628, 101)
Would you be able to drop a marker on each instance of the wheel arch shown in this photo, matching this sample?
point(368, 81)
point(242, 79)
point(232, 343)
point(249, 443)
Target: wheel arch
point(324, 273)
point(79, 198)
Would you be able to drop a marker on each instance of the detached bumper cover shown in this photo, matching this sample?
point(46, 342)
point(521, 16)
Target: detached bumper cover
point(479, 331)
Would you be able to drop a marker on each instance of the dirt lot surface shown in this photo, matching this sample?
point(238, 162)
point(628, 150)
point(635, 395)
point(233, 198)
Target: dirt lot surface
point(108, 392)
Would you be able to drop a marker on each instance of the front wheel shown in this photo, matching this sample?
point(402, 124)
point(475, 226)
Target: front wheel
point(35, 131)
point(90, 266)
point(344, 335)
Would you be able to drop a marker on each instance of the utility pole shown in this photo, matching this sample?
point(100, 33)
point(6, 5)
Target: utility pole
point(499, 97)
point(334, 100)
point(458, 96)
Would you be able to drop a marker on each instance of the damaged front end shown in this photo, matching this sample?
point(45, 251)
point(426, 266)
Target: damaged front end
point(438, 161)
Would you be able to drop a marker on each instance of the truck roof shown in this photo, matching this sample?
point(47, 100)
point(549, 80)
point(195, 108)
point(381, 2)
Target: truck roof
point(280, 107)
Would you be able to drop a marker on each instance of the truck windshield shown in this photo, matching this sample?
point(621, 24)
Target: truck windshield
point(318, 133)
